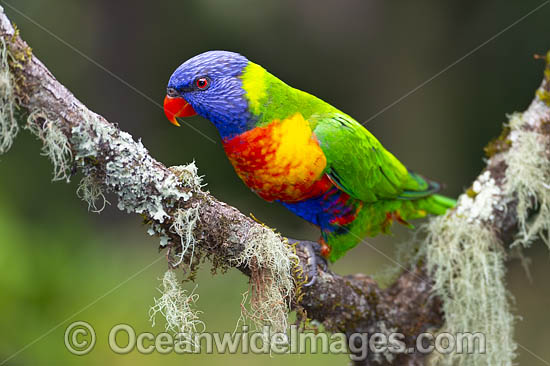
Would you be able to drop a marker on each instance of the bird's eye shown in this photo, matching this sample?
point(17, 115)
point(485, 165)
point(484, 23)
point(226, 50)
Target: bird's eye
point(202, 83)
point(171, 92)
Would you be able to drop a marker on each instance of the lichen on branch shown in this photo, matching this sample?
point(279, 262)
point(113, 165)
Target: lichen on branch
point(271, 260)
point(55, 145)
point(466, 250)
point(8, 123)
point(178, 307)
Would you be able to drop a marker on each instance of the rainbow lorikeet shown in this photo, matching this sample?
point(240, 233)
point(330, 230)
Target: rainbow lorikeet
point(291, 147)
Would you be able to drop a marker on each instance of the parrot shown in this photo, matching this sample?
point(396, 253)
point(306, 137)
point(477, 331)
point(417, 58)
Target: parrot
point(289, 146)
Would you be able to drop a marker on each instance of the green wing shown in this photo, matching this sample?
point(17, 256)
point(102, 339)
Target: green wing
point(360, 166)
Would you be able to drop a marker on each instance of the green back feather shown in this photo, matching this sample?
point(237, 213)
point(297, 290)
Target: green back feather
point(356, 161)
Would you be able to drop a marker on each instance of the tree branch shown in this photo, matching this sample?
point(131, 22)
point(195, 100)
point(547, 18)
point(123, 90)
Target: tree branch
point(346, 304)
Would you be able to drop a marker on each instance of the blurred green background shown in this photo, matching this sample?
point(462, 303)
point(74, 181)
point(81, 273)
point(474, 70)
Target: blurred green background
point(56, 258)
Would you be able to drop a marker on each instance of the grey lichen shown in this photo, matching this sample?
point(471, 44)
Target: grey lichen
point(483, 198)
point(130, 172)
point(90, 191)
point(133, 175)
point(8, 123)
point(188, 175)
point(177, 306)
point(466, 262)
point(463, 253)
point(120, 165)
point(271, 261)
point(185, 221)
point(528, 177)
point(55, 144)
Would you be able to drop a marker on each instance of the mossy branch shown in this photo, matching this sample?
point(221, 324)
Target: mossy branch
point(508, 204)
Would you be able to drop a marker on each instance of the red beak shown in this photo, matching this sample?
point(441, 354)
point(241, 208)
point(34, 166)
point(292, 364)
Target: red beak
point(177, 107)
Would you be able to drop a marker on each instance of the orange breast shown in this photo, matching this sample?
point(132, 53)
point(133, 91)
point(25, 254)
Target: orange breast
point(281, 161)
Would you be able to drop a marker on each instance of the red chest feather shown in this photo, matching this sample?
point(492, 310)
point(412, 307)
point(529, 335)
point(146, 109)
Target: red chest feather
point(281, 161)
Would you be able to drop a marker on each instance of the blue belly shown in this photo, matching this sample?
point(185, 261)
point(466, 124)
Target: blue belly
point(322, 210)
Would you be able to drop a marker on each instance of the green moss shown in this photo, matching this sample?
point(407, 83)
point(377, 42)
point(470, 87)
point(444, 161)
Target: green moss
point(300, 278)
point(545, 127)
point(14, 55)
point(20, 54)
point(500, 144)
point(543, 93)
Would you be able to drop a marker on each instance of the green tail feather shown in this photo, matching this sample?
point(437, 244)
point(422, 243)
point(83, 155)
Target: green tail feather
point(446, 202)
point(418, 200)
point(435, 204)
point(372, 220)
point(422, 192)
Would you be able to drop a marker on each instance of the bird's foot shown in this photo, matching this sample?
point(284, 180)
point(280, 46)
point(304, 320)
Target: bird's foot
point(315, 257)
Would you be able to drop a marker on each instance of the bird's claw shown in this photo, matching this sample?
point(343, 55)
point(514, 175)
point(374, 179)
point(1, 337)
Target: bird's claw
point(313, 250)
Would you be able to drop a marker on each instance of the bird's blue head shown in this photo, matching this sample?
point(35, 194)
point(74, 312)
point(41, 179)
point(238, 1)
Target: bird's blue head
point(209, 85)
